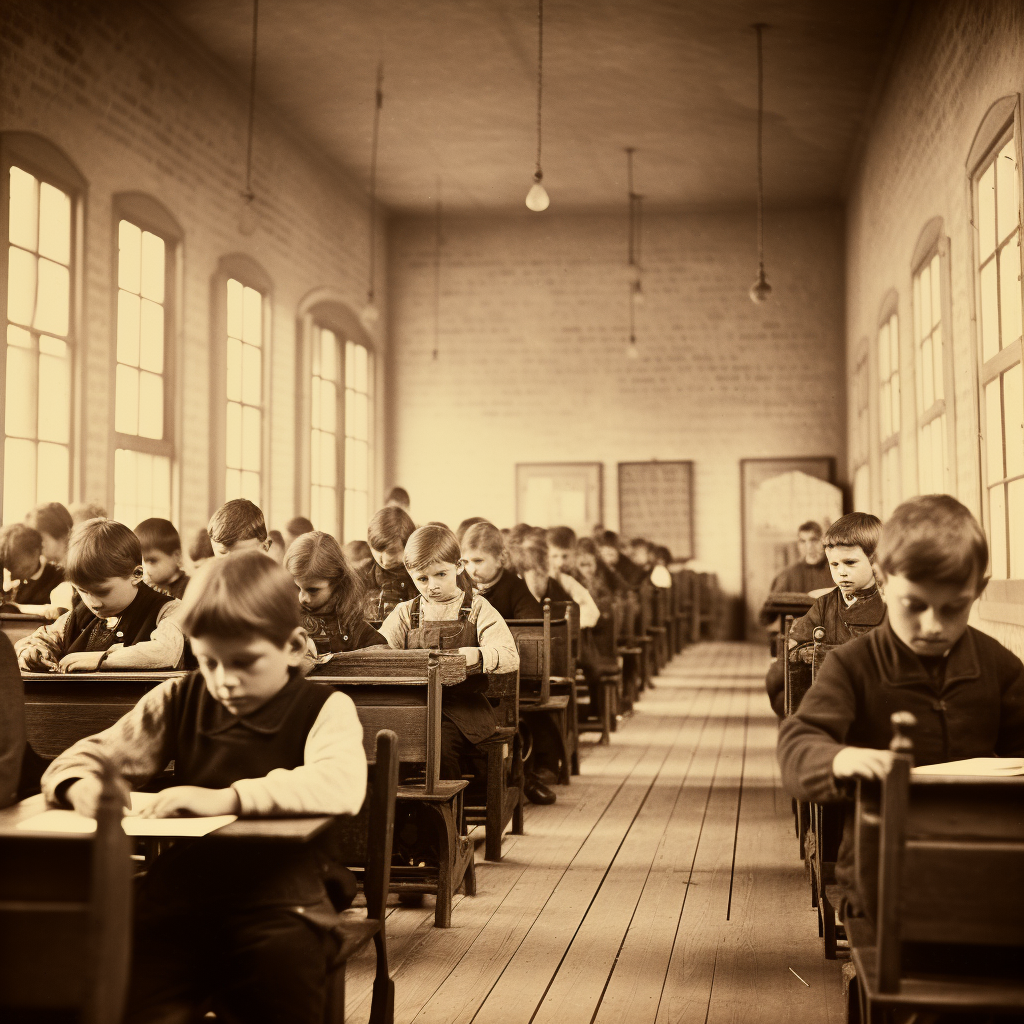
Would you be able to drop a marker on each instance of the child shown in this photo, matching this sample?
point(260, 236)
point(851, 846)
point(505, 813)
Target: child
point(119, 622)
point(398, 497)
point(461, 529)
point(628, 571)
point(331, 596)
point(359, 556)
point(660, 575)
point(853, 607)
point(38, 586)
point(964, 688)
point(508, 595)
point(83, 511)
point(561, 542)
point(294, 529)
point(387, 582)
point(200, 550)
point(54, 523)
point(434, 561)
point(246, 926)
point(161, 557)
point(278, 547)
point(238, 525)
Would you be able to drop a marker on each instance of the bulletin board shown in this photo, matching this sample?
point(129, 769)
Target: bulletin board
point(560, 494)
point(656, 503)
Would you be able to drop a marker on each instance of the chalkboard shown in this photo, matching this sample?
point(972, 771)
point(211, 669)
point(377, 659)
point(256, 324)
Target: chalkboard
point(656, 503)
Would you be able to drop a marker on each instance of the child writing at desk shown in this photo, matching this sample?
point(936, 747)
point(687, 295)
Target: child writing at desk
point(243, 928)
point(120, 621)
point(38, 586)
point(964, 688)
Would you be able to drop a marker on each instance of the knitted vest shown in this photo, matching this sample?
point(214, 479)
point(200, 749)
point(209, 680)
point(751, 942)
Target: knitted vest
point(85, 632)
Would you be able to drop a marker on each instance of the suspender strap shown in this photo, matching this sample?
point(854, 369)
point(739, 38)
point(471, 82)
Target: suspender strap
point(467, 606)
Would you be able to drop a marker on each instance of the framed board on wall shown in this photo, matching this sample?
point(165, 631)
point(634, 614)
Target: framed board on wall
point(560, 494)
point(656, 503)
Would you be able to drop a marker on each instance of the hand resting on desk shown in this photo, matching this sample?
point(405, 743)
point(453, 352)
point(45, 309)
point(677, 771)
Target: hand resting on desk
point(862, 763)
point(36, 659)
point(197, 801)
point(84, 794)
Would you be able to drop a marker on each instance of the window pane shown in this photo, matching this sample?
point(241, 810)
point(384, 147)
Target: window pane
point(328, 355)
point(1009, 293)
point(24, 212)
point(918, 328)
point(993, 431)
point(151, 349)
point(251, 438)
point(355, 465)
point(126, 402)
point(19, 478)
point(129, 256)
point(328, 407)
point(314, 457)
point(894, 343)
point(361, 382)
point(233, 484)
point(328, 475)
point(926, 301)
point(128, 315)
point(234, 389)
point(927, 374)
point(234, 308)
point(936, 291)
point(250, 485)
point(53, 298)
point(1015, 522)
point(151, 405)
point(315, 418)
point(885, 411)
point(350, 363)
point(939, 454)
point(252, 384)
point(989, 312)
point(18, 337)
point(362, 418)
point(987, 212)
point(52, 474)
point(233, 438)
point(21, 286)
point(152, 267)
point(997, 532)
point(124, 480)
point(1006, 189)
point(55, 413)
point(22, 388)
point(355, 515)
point(54, 224)
point(895, 391)
point(1013, 420)
point(940, 368)
point(252, 313)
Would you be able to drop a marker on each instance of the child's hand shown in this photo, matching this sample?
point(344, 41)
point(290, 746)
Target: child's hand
point(862, 763)
point(37, 659)
point(84, 794)
point(82, 661)
point(191, 800)
point(472, 655)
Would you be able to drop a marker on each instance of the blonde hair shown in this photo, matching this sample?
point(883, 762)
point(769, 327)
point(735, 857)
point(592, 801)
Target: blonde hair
point(431, 544)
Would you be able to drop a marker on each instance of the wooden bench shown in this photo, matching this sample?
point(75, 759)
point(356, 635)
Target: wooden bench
point(939, 872)
point(565, 661)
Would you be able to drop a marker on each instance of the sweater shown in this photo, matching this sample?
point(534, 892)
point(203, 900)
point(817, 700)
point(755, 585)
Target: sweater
point(801, 578)
point(510, 597)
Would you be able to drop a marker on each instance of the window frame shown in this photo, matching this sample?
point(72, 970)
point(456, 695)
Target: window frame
point(888, 311)
point(48, 163)
point(250, 274)
point(861, 462)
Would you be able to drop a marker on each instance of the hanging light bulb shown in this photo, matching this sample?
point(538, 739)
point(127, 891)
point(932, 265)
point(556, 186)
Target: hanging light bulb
point(369, 316)
point(760, 289)
point(537, 199)
point(437, 275)
point(247, 219)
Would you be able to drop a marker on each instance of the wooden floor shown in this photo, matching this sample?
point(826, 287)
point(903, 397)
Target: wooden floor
point(664, 885)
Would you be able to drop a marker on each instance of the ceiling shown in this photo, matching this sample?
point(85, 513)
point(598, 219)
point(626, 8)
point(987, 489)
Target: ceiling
point(676, 79)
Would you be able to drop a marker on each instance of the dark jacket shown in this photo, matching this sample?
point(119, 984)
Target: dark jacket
point(801, 578)
point(974, 709)
point(385, 589)
point(85, 632)
point(36, 591)
point(842, 622)
point(511, 598)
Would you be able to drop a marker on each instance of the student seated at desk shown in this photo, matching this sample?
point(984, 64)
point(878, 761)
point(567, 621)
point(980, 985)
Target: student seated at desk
point(330, 595)
point(39, 587)
point(965, 689)
point(161, 557)
point(54, 524)
point(244, 928)
point(120, 622)
point(238, 525)
point(387, 581)
point(853, 607)
point(482, 550)
point(200, 550)
point(476, 630)
point(617, 562)
point(562, 570)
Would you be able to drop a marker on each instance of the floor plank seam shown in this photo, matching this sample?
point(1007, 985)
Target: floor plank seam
point(739, 805)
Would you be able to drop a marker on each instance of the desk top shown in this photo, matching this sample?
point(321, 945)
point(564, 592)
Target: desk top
point(286, 830)
point(127, 675)
point(785, 602)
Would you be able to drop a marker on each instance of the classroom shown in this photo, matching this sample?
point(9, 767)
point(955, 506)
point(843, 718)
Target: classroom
point(629, 396)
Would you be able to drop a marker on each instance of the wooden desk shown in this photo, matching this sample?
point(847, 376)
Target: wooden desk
point(17, 625)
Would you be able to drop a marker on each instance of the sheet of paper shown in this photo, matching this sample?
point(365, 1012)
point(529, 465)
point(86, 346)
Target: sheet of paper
point(71, 822)
point(993, 767)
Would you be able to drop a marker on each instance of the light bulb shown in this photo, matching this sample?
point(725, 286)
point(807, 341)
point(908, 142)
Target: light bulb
point(537, 198)
point(369, 316)
point(760, 289)
point(247, 219)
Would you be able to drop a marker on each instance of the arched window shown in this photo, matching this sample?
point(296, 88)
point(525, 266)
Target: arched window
point(41, 222)
point(861, 431)
point(889, 404)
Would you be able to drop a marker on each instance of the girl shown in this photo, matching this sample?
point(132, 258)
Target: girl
point(446, 615)
point(330, 595)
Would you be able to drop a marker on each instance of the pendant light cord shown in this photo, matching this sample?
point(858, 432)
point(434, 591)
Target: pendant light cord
point(540, 79)
point(252, 101)
point(378, 105)
point(759, 28)
point(437, 274)
point(632, 206)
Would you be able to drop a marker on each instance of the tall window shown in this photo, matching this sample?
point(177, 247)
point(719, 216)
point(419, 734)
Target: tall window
point(244, 428)
point(931, 373)
point(997, 216)
point(142, 457)
point(37, 419)
point(862, 434)
point(324, 450)
point(357, 440)
point(889, 411)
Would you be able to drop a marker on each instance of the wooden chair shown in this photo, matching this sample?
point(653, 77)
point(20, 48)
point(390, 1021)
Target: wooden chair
point(631, 647)
point(565, 660)
point(792, 695)
point(611, 693)
point(939, 874)
point(66, 919)
point(364, 843)
point(709, 601)
point(657, 627)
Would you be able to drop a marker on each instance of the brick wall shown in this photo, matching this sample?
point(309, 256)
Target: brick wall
point(138, 105)
point(954, 60)
point(533, 368)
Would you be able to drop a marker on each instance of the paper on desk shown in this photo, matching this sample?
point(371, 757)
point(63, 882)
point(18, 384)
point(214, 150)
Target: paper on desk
point(992, 767)
point(72, 821)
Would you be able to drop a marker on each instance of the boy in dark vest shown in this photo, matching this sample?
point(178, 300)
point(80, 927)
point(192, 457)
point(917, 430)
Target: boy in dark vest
point(37, 585)
point(244, 929)
point(120, 622)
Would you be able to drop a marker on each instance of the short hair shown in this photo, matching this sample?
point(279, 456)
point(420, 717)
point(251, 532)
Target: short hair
point(460, 531)
point(856, 529)
point(398, 496)
point(934, 538)
point(18, 541)
point(276, 537)
point(811, 526)
point(588, 546)
point(531, 553)
point(662, 554)
point(635, 542)
point(200, 547)
point(561, 537)
point(357, 551)
point(242, 596)
point(318, 555)
point(390, 525)
point(237, 519)
point(52, 519)
point(298, 526)
point(608, 539)
point(434, 544)
point(484, 536)
point(101, 549)
point(518, 532)
point(83, 511)
point(159, 534)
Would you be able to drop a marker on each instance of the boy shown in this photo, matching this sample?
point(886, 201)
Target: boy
point(238, 525)
point(562, 566)
point(119, 622)
point(965, 689)
point(200, 550)
point(54, 523)
point(244, 926)
point(398, 497)
point(38, 586)
point(627, 570)
point(811, 571)
point(387, 581)
point(509, 596)
point(852, 607)
point(359, 556)
point(161, 557)
point(296, 528)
